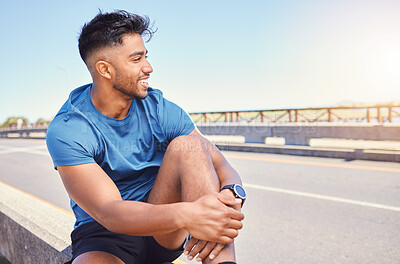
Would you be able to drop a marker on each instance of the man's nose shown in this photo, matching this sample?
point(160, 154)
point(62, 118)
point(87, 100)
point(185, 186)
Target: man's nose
point(147, 68)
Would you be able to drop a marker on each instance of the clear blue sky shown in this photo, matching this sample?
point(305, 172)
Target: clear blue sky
point(212, 55)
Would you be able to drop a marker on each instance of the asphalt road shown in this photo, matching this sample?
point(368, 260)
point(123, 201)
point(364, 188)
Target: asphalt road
point(299, 209)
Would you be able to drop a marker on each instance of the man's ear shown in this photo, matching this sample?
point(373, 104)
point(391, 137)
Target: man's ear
point(105, 69)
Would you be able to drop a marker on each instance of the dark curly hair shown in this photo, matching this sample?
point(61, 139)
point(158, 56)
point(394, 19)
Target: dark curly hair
point(108, 29)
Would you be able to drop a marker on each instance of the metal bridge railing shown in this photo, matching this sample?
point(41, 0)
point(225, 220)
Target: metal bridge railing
point(364, 114)
point(361, 114)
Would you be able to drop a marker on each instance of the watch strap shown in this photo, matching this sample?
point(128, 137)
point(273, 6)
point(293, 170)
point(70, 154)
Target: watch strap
point(231, 187)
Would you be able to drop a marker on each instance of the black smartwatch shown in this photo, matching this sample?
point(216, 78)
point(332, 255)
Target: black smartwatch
point(237, 190)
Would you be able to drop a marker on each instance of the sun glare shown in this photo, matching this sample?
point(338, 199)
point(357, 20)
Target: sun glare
point(387, 59)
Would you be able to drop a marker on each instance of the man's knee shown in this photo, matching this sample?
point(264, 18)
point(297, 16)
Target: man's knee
point(187, 144)
point(97, 257)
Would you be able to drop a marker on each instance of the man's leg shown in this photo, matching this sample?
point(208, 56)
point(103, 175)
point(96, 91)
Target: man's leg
point(186, 174)
point(97, 257)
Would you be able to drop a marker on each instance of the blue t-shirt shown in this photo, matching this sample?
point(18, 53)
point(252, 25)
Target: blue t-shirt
point(129, 150)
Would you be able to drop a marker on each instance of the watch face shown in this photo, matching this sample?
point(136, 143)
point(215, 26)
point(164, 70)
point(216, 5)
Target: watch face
point(240, 191)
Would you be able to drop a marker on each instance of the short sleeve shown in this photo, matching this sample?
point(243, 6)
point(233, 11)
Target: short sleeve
point(174, 120)
point(69, 142)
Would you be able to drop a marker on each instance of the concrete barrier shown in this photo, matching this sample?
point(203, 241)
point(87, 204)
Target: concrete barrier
point(24, 133)
point(340, 153)
point(291, 134)
point(31, 230)
point(300, 134)
point(3, 260)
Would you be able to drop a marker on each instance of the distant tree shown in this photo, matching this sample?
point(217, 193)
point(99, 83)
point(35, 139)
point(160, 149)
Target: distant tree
point(42, 121)
point(13, 120)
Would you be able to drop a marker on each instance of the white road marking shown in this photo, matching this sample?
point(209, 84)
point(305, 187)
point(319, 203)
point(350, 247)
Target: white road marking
point(34, 150)
point(322, 197)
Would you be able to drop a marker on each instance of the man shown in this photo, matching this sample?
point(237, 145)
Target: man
point(140, 175)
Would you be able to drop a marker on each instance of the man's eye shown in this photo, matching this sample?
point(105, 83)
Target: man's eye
point(139, 58)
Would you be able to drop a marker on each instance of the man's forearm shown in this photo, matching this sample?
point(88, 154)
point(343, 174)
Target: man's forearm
point(142, 219)
point(227, 174)
point(204, 218)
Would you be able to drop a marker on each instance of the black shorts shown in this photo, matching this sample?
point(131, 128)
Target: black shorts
point(130, 249)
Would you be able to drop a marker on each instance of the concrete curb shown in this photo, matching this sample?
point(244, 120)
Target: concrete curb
point(348, 154)
point(32, 231)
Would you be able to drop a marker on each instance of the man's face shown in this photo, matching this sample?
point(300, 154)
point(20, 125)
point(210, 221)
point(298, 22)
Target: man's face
point(132, 69)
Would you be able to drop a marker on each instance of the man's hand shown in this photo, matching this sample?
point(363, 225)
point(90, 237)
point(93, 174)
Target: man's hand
point(204, 248)
point(229, 193)
point(211, 218)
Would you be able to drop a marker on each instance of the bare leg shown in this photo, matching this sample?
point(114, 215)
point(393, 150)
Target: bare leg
point(186, 174)
point(97, 257)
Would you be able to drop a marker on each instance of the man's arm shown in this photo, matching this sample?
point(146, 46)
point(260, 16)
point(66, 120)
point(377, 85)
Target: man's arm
point(226, 173)
point(91, 188)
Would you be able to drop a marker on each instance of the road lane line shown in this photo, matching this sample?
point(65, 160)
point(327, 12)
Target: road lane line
point(24, 151)
point(31, 147)
point(33, 150)
point(322, 197)
point(313, 163)
point(178, 261)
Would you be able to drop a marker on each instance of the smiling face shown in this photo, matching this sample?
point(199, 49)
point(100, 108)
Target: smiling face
point(131, 70)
